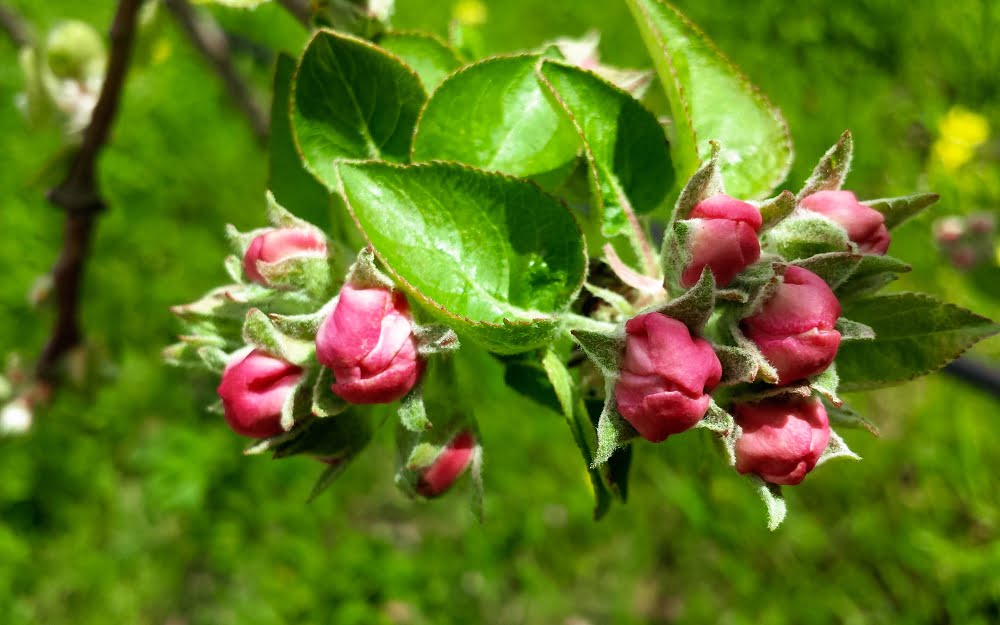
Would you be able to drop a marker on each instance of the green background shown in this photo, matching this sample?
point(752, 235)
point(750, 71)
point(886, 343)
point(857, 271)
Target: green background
point(129, 503)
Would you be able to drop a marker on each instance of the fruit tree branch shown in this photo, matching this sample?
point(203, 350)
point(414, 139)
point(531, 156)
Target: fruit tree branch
point(15, 26)
point(79, 196)
point(211, 41)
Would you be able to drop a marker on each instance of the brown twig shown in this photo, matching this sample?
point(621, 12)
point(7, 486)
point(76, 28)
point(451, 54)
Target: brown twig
point(80, 197)
point(300, 9)
point(15, 26)
point(211, 41)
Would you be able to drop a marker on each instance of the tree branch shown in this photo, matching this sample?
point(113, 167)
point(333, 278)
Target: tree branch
point(300, 9)
point(15, 26)
point(211, 41)
point(975, 373)
point(80, 197)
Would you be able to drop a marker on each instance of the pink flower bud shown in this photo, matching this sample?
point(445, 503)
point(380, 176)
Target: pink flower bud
point(724, 238)
point(782, 439)
point(794, 328)
point(253, 389)
point(278, 244)
point(665, 376)
point(368, 342)
point(865, 226)
point(453, 460)
point(949, 230)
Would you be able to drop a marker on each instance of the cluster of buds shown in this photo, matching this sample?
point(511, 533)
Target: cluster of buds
point(314, 349)
point(64, 75)
point(967, 242)
point(747, 346)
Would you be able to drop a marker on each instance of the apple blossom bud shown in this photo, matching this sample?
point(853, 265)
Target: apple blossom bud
point(949, 230)
point(15, 417)
point(453, 460)
point(724, 238)
point(864, 225)
point(367, 340)
point(665, 376)
point(254, 388)
point(279, 244)
point(794, 328)
point(782, 438)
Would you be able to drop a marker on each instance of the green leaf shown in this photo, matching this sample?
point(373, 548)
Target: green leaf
point(695, 306)
point(703, 184)
point(775, 209)
point(412, 412)
point(854, 331)
point(845, 416)
point(834, 267)
point(325, 403)
point(292, 185)
point(710, 99)
point(528, 378)
point(623, 142)
point(871, 274)
point(773, 500)
point(336, 438)
point(561, 380)
point(827, 383)
point(579, 424)
point(494, 115)
point(915, 334)
point(493, 257)
point(832, 169)
point(898, 209)
point(259, 331)
point(613, 431)
point(738, 365)
point(836, 448)
point(725, 428)
point(430, 57)
point(616, 471)
point(807, 234)
point(352, 100)
point(297, 406)
point(605, 350)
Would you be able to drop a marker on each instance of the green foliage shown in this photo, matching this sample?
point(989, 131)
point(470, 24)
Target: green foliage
point(129, 478)
point(914, 335)
point(292, 185)
point(493, 257)
point(431, 58)
point(494, 115)
point(352, 100)
point(710, 99)
point(623, 142)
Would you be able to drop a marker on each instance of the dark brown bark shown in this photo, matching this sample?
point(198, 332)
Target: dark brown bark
point(15, 26)
point(78, 194)
point(300, 9)
point(210, 40)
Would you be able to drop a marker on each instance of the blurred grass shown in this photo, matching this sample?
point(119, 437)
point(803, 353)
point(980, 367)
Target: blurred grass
point(128, 503)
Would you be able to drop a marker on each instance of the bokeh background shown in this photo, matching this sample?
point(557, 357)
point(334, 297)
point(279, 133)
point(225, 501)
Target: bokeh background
point(129, 503)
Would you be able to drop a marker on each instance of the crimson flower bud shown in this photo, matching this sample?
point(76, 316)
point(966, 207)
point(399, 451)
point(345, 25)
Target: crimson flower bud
point(864, 225)
point(724, 238)
point(367, 339)
point(453, 460)
point(665, 376)
point(278, 244)
point(782, 438)
point(253, 389)
point(794, 328)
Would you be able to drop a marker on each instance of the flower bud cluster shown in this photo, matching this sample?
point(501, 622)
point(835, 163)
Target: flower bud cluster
point(668, 373)
point(967, 242)
point(366, 340)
